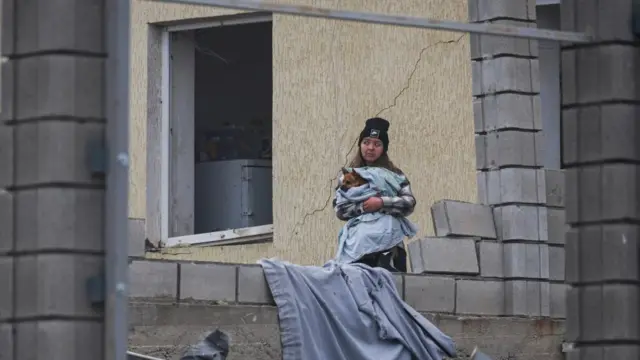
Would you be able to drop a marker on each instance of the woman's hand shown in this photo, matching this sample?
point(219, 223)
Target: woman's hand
point(372, 204)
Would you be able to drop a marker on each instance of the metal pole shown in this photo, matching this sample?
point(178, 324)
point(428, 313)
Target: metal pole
point(396, 20)
point(117, 199)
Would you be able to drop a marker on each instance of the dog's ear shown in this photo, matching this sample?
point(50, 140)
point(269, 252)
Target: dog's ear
point(353, 171)
point(345, 171)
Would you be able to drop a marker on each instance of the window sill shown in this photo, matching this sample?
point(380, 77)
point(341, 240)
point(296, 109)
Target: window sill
point(244, 236)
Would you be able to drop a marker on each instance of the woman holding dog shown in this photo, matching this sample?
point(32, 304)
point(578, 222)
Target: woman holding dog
point(373, 145)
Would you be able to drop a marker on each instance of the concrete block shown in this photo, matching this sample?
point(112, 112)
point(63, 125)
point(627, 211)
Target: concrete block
point(572, 308)
point(6, 283)
point(252, 286)
point(6, 155)
point(511, 111)
point(620, 120)
point(153, 279)
point(482, 185)
point(472, 8)
point(137, 235)
point(456, 218)
point(620, 192)
point(8, 69)
point(521, 222)
point(556, 226)
point(522, 261)
point(64, 86)
point(6, 221)
point(572, 257)
point(615, 64)
point(558, 300)
point(6, 341)
point(535, 76)
point(523, 298)
point(79, 31)
point(8, 28)
point(621, 352)
point(415, 256)
point(545, 299)
point(510, 148)
point(507, 74)
point(478, 119)
point(537, 121)
point(492, 9)
point(446, 255)
point(54, 285)
point(621, 252)
point(554, 186)
point(590, 250)
point(591, 303)
point(475, 47)
point(621, 311)
point(481, 152)
point(545, 259)
point(590, 136)
point(479, 297)
point(521, 185)
point(556, 263)
point(430, 294)
point(211, 282)
point(476, 78)
point(569, 78)
point(40, 146)
point(59, 218)
point(589, 192)
point(59, 339)
point(491, 260)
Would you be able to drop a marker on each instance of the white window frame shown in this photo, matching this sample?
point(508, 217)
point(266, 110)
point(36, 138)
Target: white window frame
point(229, 237)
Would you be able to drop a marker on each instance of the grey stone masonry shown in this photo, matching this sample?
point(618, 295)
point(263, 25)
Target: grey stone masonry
point(51, 204)
point(601, 145)
point(526, 199)
point(232, 284)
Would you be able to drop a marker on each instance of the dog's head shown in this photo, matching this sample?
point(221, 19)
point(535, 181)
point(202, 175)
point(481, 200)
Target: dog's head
point(351, 179)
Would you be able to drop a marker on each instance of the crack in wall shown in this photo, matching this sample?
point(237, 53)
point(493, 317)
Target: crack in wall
point(393, 104)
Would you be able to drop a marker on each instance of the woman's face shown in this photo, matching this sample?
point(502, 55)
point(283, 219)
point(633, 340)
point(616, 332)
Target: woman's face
point(371, 149)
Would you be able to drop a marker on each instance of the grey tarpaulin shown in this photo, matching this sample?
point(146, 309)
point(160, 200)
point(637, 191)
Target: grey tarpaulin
point(346, 312)
point(214, 347)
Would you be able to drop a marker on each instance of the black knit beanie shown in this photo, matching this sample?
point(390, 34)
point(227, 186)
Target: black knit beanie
point(376, 128)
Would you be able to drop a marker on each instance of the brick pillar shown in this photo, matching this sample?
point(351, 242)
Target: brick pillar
point(51, 203)
point(601, 93)
point(509, 139)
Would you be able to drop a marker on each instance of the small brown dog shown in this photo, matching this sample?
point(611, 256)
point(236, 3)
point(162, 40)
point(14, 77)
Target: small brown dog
point(351, 179)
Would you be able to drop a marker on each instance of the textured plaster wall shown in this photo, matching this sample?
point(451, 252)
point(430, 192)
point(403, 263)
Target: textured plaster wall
point(329, 76)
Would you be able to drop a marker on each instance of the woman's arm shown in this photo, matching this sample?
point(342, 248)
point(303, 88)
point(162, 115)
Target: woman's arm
point(347, 211)
point(402, 204)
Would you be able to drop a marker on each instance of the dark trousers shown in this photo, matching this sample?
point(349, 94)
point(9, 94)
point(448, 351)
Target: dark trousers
point(392, 260)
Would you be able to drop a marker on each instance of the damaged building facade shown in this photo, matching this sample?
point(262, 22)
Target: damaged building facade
point(475, 123)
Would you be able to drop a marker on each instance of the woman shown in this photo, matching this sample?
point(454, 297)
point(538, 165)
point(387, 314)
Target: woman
point(373, 145)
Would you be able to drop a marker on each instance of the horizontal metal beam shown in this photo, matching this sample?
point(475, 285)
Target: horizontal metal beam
point(396, 20)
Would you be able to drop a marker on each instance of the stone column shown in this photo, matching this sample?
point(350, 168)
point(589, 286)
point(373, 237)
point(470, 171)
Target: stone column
point(51, 182)
point(509, 146)
point(600, 97)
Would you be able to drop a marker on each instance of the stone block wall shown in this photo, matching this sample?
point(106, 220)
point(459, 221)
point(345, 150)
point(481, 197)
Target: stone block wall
point(174, 304)
point(497, 274)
